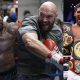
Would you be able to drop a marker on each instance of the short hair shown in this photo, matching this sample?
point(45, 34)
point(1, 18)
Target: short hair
point(26, 12)
point(77, 6)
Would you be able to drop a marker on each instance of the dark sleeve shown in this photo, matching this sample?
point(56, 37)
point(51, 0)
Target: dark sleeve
point(27, 26)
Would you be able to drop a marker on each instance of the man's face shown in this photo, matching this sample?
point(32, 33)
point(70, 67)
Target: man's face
point(1, 23)
point(77, 15)
point(46, 18)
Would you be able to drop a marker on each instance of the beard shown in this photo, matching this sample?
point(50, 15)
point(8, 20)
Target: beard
point(46, 27)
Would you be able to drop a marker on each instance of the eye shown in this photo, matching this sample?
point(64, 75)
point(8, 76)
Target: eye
point(49, 16)
point(41, 14)
point(78, 11)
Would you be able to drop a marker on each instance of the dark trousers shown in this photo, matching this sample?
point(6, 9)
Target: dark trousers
point(38, 77)
point(8, 75)
point(49, 73)
point(31, 77)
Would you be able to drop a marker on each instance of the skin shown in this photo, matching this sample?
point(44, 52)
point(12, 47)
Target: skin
point(7, 41)
point(76, 26)
point(77, 16)
point(47, 15)
point(76, 33)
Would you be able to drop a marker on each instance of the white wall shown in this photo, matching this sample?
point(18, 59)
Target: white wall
point(33, 5)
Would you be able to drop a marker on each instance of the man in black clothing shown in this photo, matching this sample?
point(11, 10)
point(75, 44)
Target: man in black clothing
point(31, 51)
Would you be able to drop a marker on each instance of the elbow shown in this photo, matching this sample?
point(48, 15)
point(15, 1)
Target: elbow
point(27, 41)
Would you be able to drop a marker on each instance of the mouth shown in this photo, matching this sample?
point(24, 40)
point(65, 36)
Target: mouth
point(44, 23)
point(79, 20)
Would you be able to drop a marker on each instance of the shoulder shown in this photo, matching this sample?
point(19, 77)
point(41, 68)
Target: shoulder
point(29, 24)
point(31, 18)
point(56, 33)
point(74, 26)
point(12, 24)
point(8, 25)
point(12, 27)
point(56, 28)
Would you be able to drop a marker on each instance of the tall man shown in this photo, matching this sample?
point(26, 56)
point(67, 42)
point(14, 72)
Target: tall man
point(32, 52)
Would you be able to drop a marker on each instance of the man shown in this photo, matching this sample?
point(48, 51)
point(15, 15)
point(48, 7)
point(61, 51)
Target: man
point(74, 39)
point(76, 46)
point(26, 14)
point(32, 53)
point(7, 42)
point(76, 26)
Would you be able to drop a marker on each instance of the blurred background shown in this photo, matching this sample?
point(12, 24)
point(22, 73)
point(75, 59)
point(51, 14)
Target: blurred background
point(24, 8)
point(69, 10)
point(65, 8)
point(9, 10)
point(33, 6)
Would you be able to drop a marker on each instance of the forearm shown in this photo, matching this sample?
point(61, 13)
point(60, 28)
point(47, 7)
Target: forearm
point(41, 49)
point(36, 46)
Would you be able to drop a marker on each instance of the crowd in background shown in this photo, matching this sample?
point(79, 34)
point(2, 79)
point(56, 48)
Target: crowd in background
point(10, 14)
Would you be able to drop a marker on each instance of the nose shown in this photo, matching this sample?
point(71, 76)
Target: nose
point(45, 19)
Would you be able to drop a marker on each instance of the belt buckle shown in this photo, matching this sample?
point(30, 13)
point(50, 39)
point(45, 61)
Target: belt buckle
point(74, 65)
point(77, 66)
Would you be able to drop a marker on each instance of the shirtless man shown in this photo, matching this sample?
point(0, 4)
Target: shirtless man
point(74, 67)
point(7, 42)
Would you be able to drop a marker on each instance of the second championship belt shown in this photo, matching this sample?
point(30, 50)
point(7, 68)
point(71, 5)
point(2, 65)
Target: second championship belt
point(75, 62)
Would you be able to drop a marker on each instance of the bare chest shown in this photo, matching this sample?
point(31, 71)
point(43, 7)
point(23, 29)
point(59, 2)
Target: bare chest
point(76, 33)
point(6, 41)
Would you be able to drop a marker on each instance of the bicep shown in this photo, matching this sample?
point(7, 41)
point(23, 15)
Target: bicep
point(29, 36)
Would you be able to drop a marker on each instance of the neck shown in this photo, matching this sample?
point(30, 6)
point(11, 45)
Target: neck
point(78, 24)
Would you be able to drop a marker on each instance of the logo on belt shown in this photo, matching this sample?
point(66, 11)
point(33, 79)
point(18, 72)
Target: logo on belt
point(67, 39)
point(76, 52)
point(74, 65)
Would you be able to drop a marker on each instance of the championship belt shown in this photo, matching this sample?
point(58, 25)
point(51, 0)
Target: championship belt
point(74, 65)
point(75, 62)
point(67, 39)
point(76, 50)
